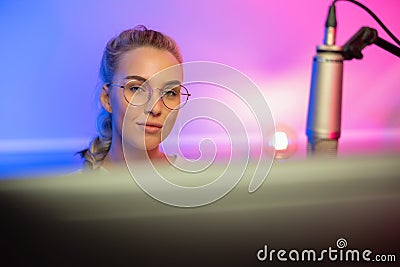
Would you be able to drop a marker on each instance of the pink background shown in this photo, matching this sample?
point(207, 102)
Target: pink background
point(50, 52)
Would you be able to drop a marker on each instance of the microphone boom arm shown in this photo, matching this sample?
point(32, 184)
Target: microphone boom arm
point(364, 37)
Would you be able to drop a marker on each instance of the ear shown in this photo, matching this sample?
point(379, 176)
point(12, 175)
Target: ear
point(105, 98)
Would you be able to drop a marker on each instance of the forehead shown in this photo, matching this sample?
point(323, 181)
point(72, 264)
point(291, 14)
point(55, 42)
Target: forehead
point(146, 62)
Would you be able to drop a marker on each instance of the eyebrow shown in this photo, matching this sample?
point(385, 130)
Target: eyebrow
point(173, 82)
point(140, 78)
point(135, 77)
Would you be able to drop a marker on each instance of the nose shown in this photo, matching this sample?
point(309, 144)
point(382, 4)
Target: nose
point(154, 105)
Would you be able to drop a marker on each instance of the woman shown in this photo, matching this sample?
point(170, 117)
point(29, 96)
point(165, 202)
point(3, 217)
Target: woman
point(148, 107)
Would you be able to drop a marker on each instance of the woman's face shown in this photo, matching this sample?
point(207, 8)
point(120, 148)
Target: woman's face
point(143, 126)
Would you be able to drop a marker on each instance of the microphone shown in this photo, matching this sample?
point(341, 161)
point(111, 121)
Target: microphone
point(325, 102)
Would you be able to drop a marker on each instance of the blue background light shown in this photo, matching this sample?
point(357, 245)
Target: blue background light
point(50, 53)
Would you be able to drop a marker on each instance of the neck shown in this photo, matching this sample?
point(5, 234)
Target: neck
point(116, 155)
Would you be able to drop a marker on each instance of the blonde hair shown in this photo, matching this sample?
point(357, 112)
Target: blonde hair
point(127, 40)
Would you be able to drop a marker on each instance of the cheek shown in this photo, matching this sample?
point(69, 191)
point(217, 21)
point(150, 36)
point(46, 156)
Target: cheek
point(169, 123)
point(119, 109)
point(129, 116)
point(132, 134)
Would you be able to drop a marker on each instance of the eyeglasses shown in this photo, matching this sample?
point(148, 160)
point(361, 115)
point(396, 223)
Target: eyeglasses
point(174, 95)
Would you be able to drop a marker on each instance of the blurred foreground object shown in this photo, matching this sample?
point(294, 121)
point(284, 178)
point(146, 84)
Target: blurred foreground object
point(89, 219)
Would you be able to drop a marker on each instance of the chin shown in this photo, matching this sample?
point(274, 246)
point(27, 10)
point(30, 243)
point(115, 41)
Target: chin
point(150, 147)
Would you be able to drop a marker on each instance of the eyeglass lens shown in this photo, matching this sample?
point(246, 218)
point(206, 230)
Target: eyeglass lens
point(174, 96)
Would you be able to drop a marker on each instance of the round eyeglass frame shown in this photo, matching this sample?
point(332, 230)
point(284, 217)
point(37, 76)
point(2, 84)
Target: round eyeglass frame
point(187, 94)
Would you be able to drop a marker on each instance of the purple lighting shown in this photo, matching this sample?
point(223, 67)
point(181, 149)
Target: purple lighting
point(51, 50)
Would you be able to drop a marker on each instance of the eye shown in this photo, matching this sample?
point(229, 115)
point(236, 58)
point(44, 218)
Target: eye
point(135, 88)
point(170, 91)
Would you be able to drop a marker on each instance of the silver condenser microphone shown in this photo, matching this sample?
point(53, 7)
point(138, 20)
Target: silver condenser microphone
point(325, 103)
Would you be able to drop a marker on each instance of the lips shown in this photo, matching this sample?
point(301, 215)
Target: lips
point(151, 127)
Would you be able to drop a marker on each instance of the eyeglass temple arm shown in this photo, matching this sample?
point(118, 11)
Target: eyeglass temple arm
point(117, 85)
